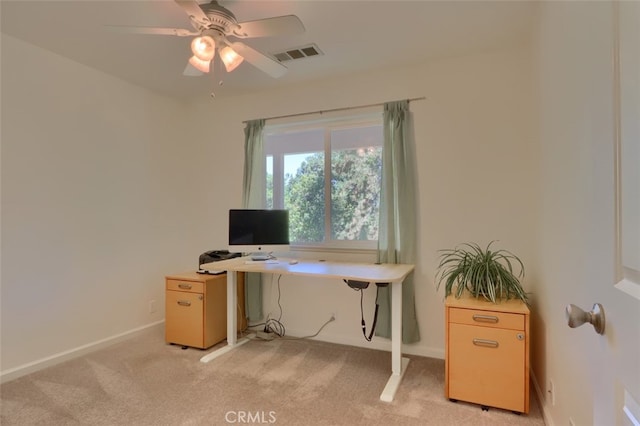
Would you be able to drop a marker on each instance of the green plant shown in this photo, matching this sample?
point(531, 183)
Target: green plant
point(493, 275)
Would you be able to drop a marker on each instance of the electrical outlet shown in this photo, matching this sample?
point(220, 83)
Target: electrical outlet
point(571, 422)
point(552, 393)
point(152, 306)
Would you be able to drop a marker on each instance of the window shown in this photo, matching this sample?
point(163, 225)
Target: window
point(327, 174)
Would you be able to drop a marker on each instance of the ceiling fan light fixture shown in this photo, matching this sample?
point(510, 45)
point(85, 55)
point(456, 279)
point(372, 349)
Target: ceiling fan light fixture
point(203, 47)
point(199, 64)
point(230, 58)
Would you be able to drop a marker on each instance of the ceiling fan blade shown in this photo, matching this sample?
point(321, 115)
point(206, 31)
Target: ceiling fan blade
point(259, 60)
point(269, 27)
point(192, 8)
point(191, 71)
point(180, 32)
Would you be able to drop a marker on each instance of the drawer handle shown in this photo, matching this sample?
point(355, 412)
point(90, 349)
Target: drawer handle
point(184, 303)
point(185, 286)
point(485, 318)
point(485, 343)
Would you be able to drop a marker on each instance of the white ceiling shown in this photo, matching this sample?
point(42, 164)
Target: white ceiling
point(355, 36)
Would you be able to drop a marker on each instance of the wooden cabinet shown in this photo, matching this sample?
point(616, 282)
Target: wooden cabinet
point(487, 352)
point(196, 309)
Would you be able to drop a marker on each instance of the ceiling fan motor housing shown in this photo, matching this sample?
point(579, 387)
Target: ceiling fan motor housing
point(221, 18)
point(218, 22)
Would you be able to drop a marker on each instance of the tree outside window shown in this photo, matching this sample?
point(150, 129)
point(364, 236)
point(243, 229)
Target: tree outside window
point(341, 211)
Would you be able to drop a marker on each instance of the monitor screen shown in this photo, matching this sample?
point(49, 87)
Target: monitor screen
point(255, 231)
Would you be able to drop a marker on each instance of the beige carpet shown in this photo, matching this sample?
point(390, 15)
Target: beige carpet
point(282, 382)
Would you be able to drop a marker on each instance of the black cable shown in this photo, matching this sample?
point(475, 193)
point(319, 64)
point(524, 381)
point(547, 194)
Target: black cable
point(274, 326)
point(375, 316)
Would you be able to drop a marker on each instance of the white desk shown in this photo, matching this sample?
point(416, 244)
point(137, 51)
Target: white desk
point(387, 273)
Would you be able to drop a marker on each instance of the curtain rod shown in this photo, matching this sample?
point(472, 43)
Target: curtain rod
point(333, 110)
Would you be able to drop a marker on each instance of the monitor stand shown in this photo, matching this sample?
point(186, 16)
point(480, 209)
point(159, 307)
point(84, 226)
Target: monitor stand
point(260, 256)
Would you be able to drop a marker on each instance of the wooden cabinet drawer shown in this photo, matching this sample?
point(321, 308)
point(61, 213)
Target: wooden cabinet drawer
point(196, 309)
point(487, 318)
point(486, 366)
point(184, 285)
point(487, 352)
point(184, 323)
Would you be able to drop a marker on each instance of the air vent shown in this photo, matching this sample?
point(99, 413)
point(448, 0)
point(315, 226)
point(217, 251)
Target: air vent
point(298, 53)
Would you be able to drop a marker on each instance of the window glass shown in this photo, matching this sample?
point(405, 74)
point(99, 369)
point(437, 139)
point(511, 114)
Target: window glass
point(304, 196)
point(342, 211)
point(356, 161)
point(269, 182)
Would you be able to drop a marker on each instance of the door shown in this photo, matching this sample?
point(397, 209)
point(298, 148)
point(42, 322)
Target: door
point(588, 235)
point(615, 360)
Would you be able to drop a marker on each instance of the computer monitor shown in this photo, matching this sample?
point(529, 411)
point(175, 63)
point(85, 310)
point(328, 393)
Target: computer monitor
point(258, 231)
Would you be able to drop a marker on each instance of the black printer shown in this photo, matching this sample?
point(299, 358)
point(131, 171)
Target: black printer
point(214, 256)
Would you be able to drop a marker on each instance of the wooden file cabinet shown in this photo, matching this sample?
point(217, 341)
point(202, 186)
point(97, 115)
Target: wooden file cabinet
point(487, 352)
point(196, 309)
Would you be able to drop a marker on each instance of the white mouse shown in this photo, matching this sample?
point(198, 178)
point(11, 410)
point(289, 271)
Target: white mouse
point(293, 262)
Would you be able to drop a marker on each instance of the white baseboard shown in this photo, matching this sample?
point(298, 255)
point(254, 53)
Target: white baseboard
point(541, 395)
point(31, 367)
point(378, 343)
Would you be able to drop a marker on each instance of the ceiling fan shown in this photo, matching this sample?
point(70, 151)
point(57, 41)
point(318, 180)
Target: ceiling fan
point(213, 24)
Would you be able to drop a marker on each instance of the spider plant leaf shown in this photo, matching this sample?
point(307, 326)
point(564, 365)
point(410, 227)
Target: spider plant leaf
point(483, 272)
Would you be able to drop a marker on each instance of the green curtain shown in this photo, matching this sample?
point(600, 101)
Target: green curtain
point(398, 227)
point(253, 190)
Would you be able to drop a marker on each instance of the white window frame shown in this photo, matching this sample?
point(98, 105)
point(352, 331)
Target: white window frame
point(328, 124)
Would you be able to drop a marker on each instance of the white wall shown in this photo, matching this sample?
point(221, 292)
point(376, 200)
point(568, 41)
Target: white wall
point(107, 188)
point(476, 168)
point(98, 197)
point(575, 262)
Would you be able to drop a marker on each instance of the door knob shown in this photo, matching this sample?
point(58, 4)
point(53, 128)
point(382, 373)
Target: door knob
point(576, 317)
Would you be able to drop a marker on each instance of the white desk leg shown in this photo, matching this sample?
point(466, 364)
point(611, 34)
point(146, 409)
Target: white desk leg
point(232, 302)
point(398, 364)
point(232, 320)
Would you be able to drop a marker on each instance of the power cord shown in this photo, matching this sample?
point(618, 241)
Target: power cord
point(333, 318)
point(360, 286)
point(271, 326)
point(279, 294)
point(275, 326)
point(375, 317)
